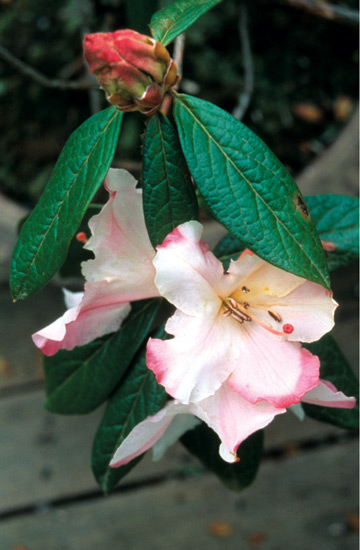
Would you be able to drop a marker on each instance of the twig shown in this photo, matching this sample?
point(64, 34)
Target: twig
point(245, 96)
point(178, 58)
point(25, 69)
point(179, 47)
point(322, 8)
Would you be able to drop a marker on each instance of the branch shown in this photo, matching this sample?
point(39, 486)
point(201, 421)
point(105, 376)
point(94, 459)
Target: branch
point(178, 58)
point(23, 68)
point(245, 96)
point(321, 8)
point(179, 47)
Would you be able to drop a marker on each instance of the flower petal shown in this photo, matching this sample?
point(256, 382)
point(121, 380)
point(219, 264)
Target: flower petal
point(179, 425)
point(97, 313)
point(262, 278)
point(278, 299)
point(120, 242)
point(271, 369)
point(327, 395)
point(233, 418)
point(194, 364)
point(187, 273)
point(148, 433)
point(226, 412)
point(309, 309)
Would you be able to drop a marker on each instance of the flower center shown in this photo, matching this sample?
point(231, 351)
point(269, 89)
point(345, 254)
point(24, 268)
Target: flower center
point(239, 310)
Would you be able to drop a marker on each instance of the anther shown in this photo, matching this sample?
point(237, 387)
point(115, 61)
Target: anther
point(246, 305)
point(274, 315)
point(240, 316)
point(233, 303)
point(227, 313)
point(245, 289)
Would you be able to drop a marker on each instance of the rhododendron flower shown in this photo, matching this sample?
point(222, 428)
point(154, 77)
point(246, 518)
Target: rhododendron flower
point(121, 272)
point(134, 70)
point(242, 327)
point(226, 412)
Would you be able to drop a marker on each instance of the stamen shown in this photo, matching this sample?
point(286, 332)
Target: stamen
point(237, 311)
point(240, 316)
point(245, 289)
point(233, 309)
point(274, 315)
point(288, 329)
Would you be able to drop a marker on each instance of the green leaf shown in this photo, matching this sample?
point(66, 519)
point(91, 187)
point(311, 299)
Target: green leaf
point(334, 368)
point(46, 234)
point(337, 221)
point(204, 444)
point(76, 252)
point(138, 396)
point(79, 380)
point(168, 23)
point(168, 195)
point(248, 189)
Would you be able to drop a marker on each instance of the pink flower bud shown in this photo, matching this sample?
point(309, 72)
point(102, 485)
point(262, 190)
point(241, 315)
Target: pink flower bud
point(134, 70)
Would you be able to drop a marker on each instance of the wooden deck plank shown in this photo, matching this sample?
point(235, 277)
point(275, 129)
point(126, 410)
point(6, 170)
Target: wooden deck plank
point(306, 501)
point(20, 360)
point(45, 456)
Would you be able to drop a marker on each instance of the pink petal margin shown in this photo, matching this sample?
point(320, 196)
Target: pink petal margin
point(327, 395)
point(95, 315)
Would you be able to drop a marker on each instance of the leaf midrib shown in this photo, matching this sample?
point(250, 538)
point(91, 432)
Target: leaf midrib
point(167, 178)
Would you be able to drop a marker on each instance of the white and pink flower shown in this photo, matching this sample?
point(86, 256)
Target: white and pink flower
point(242, 327)
point(121, 272)
point(235, 360)
point(226, 412)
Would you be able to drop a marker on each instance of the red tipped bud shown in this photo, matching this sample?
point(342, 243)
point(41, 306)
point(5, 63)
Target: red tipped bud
point(134, 70)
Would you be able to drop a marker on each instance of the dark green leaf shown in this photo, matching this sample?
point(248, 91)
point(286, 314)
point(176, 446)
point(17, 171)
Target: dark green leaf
point(76, 252)
point(138, 396)
point(46, 234)
point(168, 195)
point(334, 368)
point(248, 189)
point(204, 444)
point(337, 221)
point(80, 380)
point(174, 19)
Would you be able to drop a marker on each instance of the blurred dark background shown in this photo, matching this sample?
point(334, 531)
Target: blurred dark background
point(303, 65)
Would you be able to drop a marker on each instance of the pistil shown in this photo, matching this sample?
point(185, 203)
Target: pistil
point(240, 312)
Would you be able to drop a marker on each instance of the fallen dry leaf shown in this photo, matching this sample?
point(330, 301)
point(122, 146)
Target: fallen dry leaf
point(220, 529)
point(256, 539)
